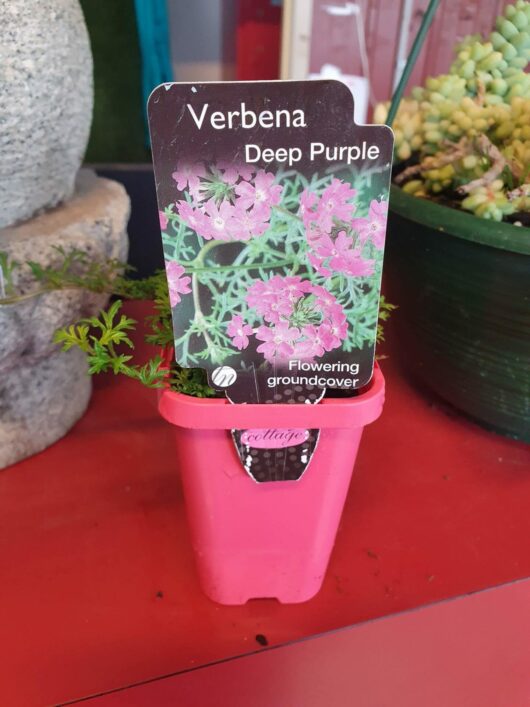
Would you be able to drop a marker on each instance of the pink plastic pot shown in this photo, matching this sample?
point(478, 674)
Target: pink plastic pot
point(271, 539)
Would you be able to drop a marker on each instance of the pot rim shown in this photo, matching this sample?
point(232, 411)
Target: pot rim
point(218, 413)
point(504, 236)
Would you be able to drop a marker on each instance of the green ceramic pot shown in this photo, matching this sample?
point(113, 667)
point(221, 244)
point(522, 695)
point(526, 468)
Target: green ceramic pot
point(463, 288)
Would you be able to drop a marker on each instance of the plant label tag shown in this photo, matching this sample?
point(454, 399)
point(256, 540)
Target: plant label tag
point(273, 207)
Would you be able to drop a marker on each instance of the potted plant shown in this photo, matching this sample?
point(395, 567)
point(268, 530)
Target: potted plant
point(240, 553)
point(459, 245)
point(272, 297)
point(273, 266)
point(273, 220)
point(274, 540)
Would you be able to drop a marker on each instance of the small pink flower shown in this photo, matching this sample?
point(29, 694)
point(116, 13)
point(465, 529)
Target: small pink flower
point(373, 228)
point(230, 176)
point(245, 171)
point(293, 286)
point(337, 255)
point(163, 220)
point(357, 266)
point(306, 350)
point(197, 192)
point(314, 344)
point(278, 340)
point(261, 212)
point(313, 234)
point(287, 286)
point(239, 332)
point(336, 250)
point(220, 220)
point(332, 337)
point(335, 314)
point(275, 298)
point(188, 174)
point(256, 292)
point(262, 192)
point(275, 285)
point(269, 299)
point(317, 263)
point(232, 171)
point(177, 284)
point(335, 204)
point(325, 299)
point(340, 330)
point(274, 308)
point(307, 200)
point(247, 224)
point(194, 218)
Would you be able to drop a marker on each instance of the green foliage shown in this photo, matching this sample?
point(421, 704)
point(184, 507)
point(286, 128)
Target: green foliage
point(6, 275)
point(99, 338)
point(160, 323)
point(191, 381)
point(106, 338)
point(385, 311)
point(77, 270)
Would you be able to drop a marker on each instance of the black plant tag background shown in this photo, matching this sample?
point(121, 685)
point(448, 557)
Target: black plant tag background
point(284, 464)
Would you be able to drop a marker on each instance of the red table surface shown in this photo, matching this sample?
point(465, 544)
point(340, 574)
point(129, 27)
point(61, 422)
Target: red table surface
point(97, 583)
point(469, 652)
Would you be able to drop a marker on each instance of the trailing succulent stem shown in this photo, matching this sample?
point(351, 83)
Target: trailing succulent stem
point(463, 139)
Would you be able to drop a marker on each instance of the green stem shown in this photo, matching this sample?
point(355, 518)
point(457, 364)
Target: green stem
point(203, 252)
point(286, 212)
point(199, 315)
point(235, 268)
point(199, 319)
point(15, 299)
point(411, 61)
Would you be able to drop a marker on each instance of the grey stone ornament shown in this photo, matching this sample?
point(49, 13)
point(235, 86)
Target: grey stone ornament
point(43, 391)
point(46, 100)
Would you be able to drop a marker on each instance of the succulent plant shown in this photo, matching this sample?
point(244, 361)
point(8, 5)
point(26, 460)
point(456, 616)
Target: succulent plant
point(464, 137)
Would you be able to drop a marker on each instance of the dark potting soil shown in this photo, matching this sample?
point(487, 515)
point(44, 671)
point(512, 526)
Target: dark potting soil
point(330, 393)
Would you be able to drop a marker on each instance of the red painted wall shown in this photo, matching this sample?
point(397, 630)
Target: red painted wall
point(334, 40)
point(258, 40)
